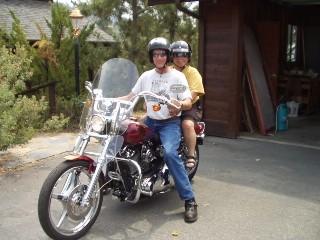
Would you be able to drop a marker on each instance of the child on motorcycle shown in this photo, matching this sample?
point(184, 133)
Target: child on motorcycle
point(181, 55)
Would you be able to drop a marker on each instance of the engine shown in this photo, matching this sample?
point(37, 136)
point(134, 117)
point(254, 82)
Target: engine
point(149, 155)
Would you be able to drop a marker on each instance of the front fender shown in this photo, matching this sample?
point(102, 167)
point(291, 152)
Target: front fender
point(82, 158)
point(92, 166)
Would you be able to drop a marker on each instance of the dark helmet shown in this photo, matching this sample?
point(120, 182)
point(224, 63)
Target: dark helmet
point(181, 48)
point(159, 43)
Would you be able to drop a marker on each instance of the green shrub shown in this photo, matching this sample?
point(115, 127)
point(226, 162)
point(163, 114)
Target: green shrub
point(72, 108)
point(15, 65)
point(20, 119)
point(56, 123)
point(30, 112)
point(19, 116)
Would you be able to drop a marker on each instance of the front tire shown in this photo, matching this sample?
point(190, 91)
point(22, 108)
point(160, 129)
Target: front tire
point(60, 213)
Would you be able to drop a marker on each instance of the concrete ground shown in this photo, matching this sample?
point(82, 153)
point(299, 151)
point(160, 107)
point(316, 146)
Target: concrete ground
point(39, 147)
point(246, 189)
point(302, 131)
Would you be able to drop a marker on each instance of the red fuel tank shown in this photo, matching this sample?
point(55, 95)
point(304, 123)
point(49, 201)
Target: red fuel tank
point(136, 133)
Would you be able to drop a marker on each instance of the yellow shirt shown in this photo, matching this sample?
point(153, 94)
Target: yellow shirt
point(194, 80)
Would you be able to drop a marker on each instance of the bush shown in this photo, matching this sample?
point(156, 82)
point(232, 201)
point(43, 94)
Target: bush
point(56, 123)
point(20, 119)
point(19, 116)
point(72, 108)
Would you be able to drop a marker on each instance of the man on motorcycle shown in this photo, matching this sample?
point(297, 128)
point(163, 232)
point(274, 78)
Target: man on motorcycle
point(165, 120)
point(181, 54)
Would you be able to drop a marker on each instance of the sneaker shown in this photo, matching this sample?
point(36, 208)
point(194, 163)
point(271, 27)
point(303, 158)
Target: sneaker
point(191, 213)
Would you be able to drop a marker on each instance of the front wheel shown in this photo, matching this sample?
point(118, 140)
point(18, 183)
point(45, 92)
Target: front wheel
point(60, 212)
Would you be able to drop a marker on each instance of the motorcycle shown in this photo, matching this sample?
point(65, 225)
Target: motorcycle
point(128, 162)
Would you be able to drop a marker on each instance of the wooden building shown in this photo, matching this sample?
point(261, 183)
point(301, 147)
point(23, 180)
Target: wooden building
point(271, 47)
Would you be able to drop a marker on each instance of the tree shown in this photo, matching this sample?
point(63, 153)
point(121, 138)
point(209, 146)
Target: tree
point(136, 24)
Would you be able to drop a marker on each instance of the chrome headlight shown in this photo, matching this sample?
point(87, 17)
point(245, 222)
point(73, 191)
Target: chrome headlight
point(97, 123)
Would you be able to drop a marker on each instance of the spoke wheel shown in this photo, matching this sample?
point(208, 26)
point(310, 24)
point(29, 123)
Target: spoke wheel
point(61, 214)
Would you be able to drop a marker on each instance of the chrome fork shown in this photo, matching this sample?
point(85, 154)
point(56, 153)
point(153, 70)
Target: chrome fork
point(101, 162)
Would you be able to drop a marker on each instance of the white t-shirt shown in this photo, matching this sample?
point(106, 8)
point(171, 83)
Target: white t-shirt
point(172, 84)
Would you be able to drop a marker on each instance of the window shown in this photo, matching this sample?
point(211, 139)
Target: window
point(292, 43)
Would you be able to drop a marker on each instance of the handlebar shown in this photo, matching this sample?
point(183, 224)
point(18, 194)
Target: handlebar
point(162, 99)
point(133, 101)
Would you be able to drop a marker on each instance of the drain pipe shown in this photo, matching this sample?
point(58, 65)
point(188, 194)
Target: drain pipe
point(186, 10)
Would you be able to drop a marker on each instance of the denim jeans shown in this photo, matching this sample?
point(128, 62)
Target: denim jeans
point(170, 135)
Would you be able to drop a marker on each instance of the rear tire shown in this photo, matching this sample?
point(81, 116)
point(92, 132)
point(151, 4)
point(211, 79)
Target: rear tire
point(59, 210)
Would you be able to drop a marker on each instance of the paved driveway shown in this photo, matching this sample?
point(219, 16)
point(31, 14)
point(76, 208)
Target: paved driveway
point(246, 190)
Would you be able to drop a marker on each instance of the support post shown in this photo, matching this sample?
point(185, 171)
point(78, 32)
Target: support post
point(77, 65)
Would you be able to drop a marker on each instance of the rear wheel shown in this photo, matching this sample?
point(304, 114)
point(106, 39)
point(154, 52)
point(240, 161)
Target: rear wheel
point(60, 212)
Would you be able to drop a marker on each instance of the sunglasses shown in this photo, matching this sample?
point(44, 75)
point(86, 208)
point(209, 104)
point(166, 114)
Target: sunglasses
point(161, 54)
point(180, 54)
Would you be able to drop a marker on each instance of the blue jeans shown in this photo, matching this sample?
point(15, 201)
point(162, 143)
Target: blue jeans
point(170, 135)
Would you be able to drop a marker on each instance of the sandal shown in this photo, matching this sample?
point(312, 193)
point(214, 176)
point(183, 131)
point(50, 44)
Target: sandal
point(191, 162)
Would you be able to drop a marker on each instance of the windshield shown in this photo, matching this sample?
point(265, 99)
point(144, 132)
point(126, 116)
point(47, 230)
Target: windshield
point(116, 77)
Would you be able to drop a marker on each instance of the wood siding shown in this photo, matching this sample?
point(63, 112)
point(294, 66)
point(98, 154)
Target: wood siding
point(222, 62)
